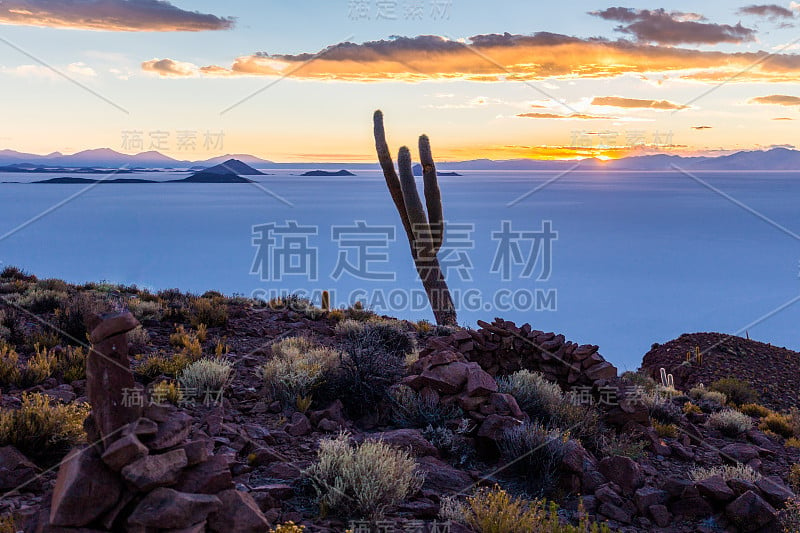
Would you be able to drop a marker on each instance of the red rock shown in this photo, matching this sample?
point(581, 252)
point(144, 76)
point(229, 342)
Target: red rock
point(169, 509)
point(495, 426)
point(299, 425)
point(406, 439)
point(646, 497)
point(739, 452)
point(85, 489)
point(153, 471)
point(604, 370)
point(124, 451)
point(15, 468)
point(479, 382)
point(750, 512)
point(172, 431)
point(446, 379)
point(334, 412)
point(623, 471)
point(615, 513)
point(239, 514)
point(209, 477)
point(109, 379)
point(443, 478)
point(196, 452)
point(773, 489)
point(505, 404)
point(661, 515)
point(715, 488)
point(277, 491)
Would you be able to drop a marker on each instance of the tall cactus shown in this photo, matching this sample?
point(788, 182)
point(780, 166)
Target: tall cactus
point(425, 231)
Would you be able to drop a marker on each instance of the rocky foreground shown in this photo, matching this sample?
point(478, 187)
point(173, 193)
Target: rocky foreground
point(500, 413)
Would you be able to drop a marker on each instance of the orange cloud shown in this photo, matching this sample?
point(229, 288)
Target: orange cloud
point(169, 68)
point(573, 116)
point(109, 15)
point(511, 58)
point(777, 99)
point(635, 103)
point(701, 127)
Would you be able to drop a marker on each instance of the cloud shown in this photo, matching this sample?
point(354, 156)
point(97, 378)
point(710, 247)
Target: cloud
point(769, 11)
point(777, 99)
point(169, 68)
point(673, 27)
point(573, 116)
point(701, 127)
point(507, 57)
point(81, 69)
point(635, 103)
point(782, 118)
point(109, 15)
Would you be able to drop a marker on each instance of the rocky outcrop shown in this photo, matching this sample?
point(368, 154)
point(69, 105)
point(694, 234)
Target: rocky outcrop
point(144, 472)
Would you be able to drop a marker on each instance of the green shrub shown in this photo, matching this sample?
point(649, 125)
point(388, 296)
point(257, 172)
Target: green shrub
point(213, 312)
point(729, 422)
point(414, 410)
point(42, 300)
point(9, 365)
point(39, 367)
point(755, 410)
point(72, 314)
point(625, 445)
point(14, 273)
point(534, 452)
point(777, 423)
point(736, 390)
point(163, 364)
point(662, 409)
point(71, 363)
point(145, 309)
point(298, 367)
point(728, 472)
point(40, 430)
point(206, 376)
point(388, 336)
point(794, 477)
point(52, 285)
point(362, 480)
point(535, 395)
point(790, 515)
point(496, 511)
point(452, 443)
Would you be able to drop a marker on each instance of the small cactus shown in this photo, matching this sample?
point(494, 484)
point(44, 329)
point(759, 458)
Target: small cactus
point(326, 301)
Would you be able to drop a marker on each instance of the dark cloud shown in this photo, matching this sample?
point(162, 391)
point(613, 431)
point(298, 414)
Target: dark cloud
point(635, 103)
point(108, 15)
point(701, 127)
point(673, 27)
point(769, 11)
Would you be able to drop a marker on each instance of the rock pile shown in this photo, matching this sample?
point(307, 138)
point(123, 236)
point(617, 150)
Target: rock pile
point(501, 348)
point(149, 469)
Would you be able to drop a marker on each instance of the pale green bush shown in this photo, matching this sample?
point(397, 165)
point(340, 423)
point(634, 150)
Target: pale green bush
point(535, 395)
point(362, 480)
point(206, 376)
point(728, 472)
point(729, 422)
point(297, 368)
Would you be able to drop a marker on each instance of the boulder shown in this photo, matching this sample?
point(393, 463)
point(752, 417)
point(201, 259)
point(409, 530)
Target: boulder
point(495, 426)
point(661, 515)
point(169, 509)
point(773, 489)
point(85, 489)
point(443, 478)
point(407, 439)
point(153, 471)
point(209, 477)
point(239, 514)
point(445, 379)
point(750, 512)
point(479, 382)
point(623, 471)
point(15, 468)
point(172, 431)
point(647, 497)
point(299, 425)
point(715, 488)
point(739, 452)
point(334, 412)
point(124, 451)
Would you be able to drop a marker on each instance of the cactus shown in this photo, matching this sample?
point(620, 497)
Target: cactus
point(667, 380)
point(425, 231)
point(326, 301)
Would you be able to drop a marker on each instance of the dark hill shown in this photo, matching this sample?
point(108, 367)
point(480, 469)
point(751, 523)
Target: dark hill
point(772, 371)
point(67, 180)
point(328, 173)
point(232, 167)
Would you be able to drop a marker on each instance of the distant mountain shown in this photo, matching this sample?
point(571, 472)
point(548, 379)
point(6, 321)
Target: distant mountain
point(68, 180)
point(244, 158)
point(328, 173)
point(233, 167)
point(106, 158)
point(417, 170)
point(231, 171)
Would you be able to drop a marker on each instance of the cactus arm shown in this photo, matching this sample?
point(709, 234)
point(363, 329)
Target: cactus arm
point(414, 209)
point(433, 196)
point(389, 173)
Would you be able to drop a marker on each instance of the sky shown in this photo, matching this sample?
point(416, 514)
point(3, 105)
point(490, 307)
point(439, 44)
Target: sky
point(298, 81)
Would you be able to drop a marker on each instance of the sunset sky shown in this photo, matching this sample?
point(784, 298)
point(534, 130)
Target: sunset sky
point(298, 81)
